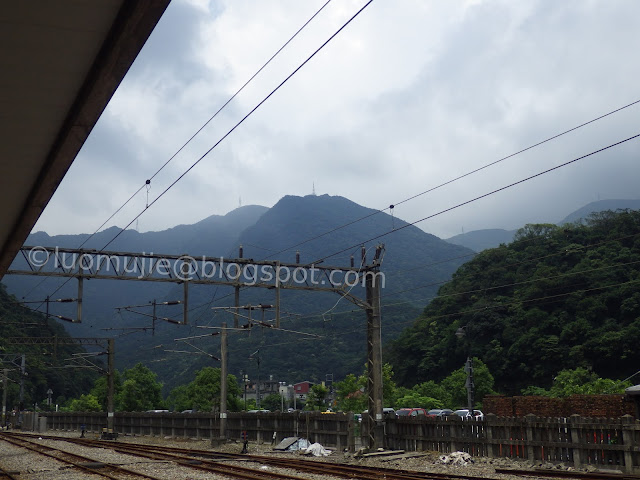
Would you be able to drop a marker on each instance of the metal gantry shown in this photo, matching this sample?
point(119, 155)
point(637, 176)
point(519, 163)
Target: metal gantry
point(186, 269)
point(237, 273)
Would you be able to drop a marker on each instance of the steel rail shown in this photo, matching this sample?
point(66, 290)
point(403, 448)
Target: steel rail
point(143, 451)
point(308, 466)
point(45, 450)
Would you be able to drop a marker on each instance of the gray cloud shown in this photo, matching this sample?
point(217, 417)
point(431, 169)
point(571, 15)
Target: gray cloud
point(413, 93)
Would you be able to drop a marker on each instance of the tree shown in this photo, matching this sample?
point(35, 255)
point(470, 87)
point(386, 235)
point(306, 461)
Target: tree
point(86, 403)
point(272, 402)
point(140, 390)
point(178, 399)
point(316, 398)
point(350, 394)
point(455, 383)
point(100, 389)
point(203, 393)
point(414, 400)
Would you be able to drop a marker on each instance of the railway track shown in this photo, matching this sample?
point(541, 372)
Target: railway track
point(7, 475)
point(218, 462)
point(546, 473)
point(226, 464)
point(114, 472)
point(80, 462)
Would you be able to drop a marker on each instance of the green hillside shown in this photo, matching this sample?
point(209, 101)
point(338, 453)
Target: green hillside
point(46, 368)
point(556, 298)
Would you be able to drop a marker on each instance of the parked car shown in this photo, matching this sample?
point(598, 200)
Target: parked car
point(259, 411)
point(440, 412)
point(386, 411)
point(411, 412)
point(464, 413)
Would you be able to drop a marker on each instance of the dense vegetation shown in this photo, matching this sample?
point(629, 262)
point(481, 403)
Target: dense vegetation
point(556, 298)
point(46, 367)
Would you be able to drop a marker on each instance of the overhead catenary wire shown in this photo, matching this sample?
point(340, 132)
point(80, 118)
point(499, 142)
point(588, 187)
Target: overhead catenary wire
point(455, 179)
point(147, 182)
point(241, 121)
point(492, 192)
point(562, 252)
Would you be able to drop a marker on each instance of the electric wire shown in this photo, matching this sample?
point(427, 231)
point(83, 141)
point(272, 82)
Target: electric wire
point(431, 189)
point(469, 201)
point(229, 100)
point(242, 120)
point(575, 249)
point(497, 190)
point(184, 145)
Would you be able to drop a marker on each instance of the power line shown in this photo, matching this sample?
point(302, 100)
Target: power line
point(238, 123)
point(468, 201)
point(448, 182)
point(524, 262)
point(479, 197)
point(184, 145)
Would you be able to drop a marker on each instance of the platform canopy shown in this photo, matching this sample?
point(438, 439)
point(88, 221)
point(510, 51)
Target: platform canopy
point(61, 62)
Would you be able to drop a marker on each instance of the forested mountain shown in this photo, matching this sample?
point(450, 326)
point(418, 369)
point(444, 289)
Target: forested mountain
point(325, 335)
point(556, 298)
point(46, 367)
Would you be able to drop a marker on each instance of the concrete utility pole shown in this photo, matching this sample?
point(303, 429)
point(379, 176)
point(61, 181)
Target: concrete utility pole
point(23, 374)
point(110, 384)
point(5, 384)
point(374, 361)
point(470, 384)
point(223, 382)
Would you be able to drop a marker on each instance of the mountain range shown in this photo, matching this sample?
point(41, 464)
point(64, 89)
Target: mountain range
point(325, 335)
point(322, 335)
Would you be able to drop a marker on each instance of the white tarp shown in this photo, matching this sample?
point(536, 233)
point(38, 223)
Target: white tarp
point(317, 450)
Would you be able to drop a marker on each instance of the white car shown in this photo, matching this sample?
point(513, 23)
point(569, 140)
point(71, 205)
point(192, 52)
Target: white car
point(464, 413)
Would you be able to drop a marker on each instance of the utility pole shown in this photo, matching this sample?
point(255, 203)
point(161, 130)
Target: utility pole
point(23, 374)
point(470, 384)
point(153, 320)
point(237, 294)
point(110, 384)
point(223, 382)
point(374, 356)
point(5, 384)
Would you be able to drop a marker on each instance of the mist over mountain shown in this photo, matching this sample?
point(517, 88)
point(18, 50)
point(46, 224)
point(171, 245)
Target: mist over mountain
point(479, 240)
point(600, 206)
point(324, 333)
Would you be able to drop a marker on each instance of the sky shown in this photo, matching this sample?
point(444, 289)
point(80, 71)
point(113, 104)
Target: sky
point(411, 94)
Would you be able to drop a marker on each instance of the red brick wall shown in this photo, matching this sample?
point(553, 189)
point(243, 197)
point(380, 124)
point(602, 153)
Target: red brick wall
point(609, 406)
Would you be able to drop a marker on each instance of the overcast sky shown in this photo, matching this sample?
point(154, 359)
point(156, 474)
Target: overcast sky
point(411, 94)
